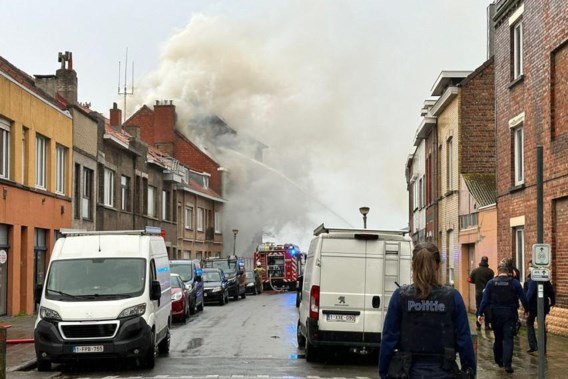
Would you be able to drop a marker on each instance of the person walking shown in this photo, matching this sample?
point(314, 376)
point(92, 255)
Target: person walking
point(502, 295)
point(549, 302)
point(480, 276)
point(426, 325)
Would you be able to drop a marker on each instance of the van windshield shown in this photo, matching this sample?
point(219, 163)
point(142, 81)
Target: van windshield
point(184, 270)
point(96, 279)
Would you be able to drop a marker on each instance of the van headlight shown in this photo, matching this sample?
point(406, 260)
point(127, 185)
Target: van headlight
point(137, 310)
point(48, 314)
point(176, 296)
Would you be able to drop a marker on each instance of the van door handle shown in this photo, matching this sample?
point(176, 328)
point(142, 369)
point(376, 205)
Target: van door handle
point(376, 301)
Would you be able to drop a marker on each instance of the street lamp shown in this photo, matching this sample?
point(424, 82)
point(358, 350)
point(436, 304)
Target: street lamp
point(364, 211)
point(235, 231)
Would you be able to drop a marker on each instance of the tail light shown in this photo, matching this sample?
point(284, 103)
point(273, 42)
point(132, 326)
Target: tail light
point(314, 302)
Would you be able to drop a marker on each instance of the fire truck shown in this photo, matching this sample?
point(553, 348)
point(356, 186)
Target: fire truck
point(281, 265)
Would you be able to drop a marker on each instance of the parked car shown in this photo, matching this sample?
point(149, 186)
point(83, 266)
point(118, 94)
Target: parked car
point(180, 298)
point(253, 283)
point(215, 286)
point(234, 269)
point(190, 273)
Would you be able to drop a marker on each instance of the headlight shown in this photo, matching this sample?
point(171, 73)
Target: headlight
point(48, 314)
point(137, 310)
point(176, 296)
point(216, 289)
point(232, 280)
point(250, 284)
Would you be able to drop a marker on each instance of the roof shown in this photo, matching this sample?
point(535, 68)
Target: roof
point(447, 79)
point(482, 187)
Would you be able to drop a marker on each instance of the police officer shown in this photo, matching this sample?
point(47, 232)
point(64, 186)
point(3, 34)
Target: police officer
point(428, 322)
point(502, 295)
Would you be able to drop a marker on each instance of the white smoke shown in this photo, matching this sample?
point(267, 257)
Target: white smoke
point(312, 81)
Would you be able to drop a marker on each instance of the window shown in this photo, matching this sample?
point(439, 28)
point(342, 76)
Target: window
point(60, 168)
point(519, 249)
point(450, 262)
point(217, 222)
point(124, 193)
point(166, 205)
point(4, 149)
point(41, 158)
point(40, 255)
point(449, 164)
point(518, 155)
point(200, 219)
point(151, 201)
point(517, 50)
point(188, 218)
point(421, 189)
point(108, 194)
point(87, 193)
point(25, 154)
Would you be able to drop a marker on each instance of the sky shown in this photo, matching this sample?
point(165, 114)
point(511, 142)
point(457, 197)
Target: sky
point(333, 89)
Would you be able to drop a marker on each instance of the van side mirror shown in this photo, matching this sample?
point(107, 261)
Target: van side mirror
point(37, 293)
point(155, 290)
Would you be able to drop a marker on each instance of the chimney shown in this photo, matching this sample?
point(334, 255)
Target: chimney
point(490, 30)
point(66, 78)
point(115, 116)
point(164, 122)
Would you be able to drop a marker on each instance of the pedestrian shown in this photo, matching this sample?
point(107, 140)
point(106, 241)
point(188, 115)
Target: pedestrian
point(480, 276)
point(502, 295)
point(426, 325)
point(549, 302)
point(513, 270)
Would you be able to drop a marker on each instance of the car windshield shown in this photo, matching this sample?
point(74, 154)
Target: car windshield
point(225, 265)
point(184, 270)
point(96, 279)
point(250, 276)
point(175, 282)
point(211, 276)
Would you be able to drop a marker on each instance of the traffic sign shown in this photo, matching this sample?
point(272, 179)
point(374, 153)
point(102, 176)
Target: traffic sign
point(540, 274)
point(541, 254)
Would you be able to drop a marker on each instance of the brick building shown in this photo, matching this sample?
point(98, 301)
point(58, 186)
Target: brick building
point(531, 66)
point(197, 202)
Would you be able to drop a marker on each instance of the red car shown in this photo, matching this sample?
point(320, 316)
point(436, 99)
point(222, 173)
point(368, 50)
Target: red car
point(180, 298)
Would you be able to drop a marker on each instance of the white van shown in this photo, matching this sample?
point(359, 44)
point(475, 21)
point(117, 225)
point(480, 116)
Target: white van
point(349, 277)
point(106, 295)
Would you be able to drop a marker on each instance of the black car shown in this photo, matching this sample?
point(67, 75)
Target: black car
point(215, 286)
point(254, 283)
point(190, 273)
point(234, 269)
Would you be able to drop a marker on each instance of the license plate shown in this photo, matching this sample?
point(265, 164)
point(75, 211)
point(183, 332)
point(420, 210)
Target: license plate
point(340, 318)
point(88, 349)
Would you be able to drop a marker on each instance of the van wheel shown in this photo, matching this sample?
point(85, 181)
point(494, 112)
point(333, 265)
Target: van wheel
point(164, 345)
point(300, 337)
point(151, 355)
point(43, 365)
point(312, 353)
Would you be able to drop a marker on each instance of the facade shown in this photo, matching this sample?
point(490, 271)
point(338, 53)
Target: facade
point(36, 144)
point(531, 111)
point(198, 202)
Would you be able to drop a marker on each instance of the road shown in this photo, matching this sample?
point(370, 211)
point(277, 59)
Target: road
point(252, 337)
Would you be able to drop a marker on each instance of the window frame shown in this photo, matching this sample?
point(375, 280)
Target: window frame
point(449, 164)
point(200, 219)
point(518, 155)
point(5, 139)
point(108, 190)
point(188, 219)
point(41, 161)
point(519, 248)
point(517, 49)
point(124, 193)
point(217, 222)
point(151, 198)
point(60, 168)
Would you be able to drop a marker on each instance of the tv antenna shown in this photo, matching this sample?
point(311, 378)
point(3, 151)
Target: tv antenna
point(125, 92)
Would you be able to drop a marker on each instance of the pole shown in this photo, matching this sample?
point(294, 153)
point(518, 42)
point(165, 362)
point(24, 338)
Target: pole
point(365, 222)
point(3, 336)
point(234, 243)
point(539, 238)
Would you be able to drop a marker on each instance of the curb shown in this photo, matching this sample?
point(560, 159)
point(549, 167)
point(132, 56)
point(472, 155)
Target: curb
point(26, 366)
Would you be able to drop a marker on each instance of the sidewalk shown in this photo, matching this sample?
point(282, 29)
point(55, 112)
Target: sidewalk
point(19, 356)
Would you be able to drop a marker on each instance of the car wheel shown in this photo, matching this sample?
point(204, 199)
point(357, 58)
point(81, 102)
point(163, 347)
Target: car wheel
point(43, 365)
point(312, 354)
point(300, 337)
point(164, 345)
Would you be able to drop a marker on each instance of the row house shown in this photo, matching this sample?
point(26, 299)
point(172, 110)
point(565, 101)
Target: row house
point(453, 167)
point(531, 87)
point(36, 144)
point(198, 200)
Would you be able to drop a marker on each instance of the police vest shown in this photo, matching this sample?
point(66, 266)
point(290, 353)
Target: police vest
point(504, 293)
point(427, 325)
